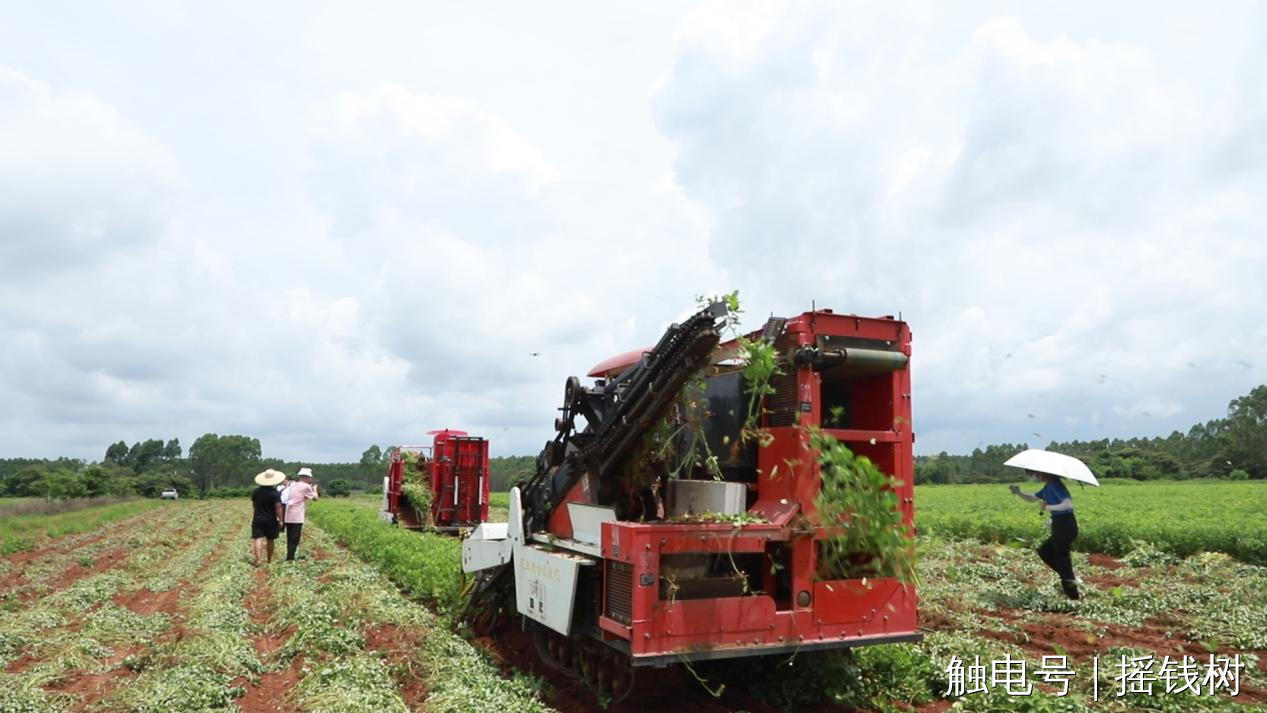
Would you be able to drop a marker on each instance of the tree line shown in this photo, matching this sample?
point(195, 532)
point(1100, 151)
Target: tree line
point(215, 465)
point(1234, 447)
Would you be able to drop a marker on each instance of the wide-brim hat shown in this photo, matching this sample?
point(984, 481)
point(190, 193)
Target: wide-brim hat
point(270, 477)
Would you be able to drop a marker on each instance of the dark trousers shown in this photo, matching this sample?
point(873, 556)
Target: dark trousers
point(293, 530)
point(1055, 550)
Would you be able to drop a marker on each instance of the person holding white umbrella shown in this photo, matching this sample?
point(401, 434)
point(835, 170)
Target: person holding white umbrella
point(1053, 497)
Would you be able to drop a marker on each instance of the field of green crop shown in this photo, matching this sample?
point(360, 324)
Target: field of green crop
point(1177, 517)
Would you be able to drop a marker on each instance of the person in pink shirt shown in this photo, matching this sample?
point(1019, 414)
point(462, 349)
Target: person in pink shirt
point(297, 497)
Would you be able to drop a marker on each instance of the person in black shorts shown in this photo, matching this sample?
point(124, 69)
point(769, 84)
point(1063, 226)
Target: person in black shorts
point(266, 513)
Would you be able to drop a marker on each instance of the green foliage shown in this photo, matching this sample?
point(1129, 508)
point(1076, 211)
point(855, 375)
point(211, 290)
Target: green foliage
point(224, 460)
point(890, 677)
point(243, 491)
point(418, 497)
point(760, 365)
point(149, 485)
point(425, 565)
point(506, 471)
point(1178, 518)
point(859, 508)
point(339, 488)
point(356, 684)
point(736, 519)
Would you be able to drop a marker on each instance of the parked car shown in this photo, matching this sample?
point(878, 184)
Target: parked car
point(169, 494)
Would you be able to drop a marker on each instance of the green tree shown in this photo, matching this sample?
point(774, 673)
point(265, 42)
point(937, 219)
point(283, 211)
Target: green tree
point(1245, 436)
point(171, 451)
point(146, 455)
point(117, 453)
point(62, 483)
point(339, 488)
point(224, 460)
point(371, 458)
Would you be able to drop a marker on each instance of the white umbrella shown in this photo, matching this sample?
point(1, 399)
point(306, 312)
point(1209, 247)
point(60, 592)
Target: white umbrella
point(1056, 464)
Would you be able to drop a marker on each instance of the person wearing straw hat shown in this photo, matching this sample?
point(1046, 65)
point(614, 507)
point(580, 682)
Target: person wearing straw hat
point(297, 497)
point(1053, 497)
point(266, 513)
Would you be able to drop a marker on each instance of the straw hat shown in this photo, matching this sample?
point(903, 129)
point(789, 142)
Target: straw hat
point(270, 477)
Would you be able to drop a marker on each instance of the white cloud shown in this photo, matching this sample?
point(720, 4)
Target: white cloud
point(360, 227)
point(1039, 202)
point(75, 178)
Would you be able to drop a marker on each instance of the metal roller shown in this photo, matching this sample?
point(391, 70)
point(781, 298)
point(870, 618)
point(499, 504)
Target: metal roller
point(852, 361)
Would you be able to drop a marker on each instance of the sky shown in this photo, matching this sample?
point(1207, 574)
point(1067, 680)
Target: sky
point(328, 225)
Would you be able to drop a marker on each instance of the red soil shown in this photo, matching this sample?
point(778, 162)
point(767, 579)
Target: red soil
point(1107, 561)
point(17, 575)
point(399, 644)
point(271, 693)
point(1057, 634)
point(145, 602)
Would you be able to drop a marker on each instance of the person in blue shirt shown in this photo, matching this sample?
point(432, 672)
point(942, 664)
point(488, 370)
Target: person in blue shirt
point(1054, 498)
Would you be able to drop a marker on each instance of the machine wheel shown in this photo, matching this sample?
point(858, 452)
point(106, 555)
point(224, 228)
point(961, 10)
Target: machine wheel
point(571, 392)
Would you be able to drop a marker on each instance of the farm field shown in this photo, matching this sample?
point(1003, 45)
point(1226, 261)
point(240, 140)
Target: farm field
point(162, 611)
point(995, 598)
point(1179, 517)
point(21, 527)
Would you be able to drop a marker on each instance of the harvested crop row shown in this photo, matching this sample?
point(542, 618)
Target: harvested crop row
point(341, 604)
point(24, 532)
point(80, 642)
point(31, 572)
point(195, 672)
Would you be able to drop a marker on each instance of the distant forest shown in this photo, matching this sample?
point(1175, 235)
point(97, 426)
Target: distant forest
point(215, 466)
point(1233, 447)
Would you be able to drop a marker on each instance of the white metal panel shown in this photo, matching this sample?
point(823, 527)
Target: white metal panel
point(587, 521)
point(490, 531)
point(480, 554)
point(545, 586)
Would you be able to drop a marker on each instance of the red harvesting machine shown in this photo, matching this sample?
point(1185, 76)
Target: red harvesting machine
point(615, 564)
point(455, 470)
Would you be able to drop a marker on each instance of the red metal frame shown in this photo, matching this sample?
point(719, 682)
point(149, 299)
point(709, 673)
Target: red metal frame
point(459, 479)
point(458, 475)
point(838, 612)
